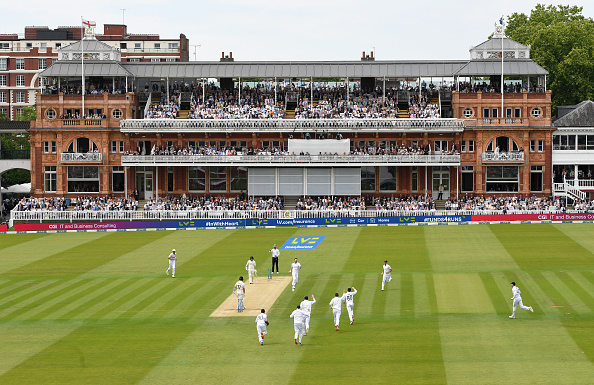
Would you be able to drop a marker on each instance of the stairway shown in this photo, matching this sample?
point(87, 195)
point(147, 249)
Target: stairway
point(290, 202)
point(403, 109)
point(289, 114)
point(440, 204)
point(182, 114)
point(155, 98)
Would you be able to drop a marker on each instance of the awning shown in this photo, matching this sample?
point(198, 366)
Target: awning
point(511, 67)
point(92, 68)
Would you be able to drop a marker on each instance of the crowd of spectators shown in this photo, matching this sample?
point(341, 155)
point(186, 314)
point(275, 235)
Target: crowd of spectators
point(327, 203)
point(213, 203)
point(357, 107)
point(467, 87)
point(505, 203)
point(79, 116)
point(41, 204)
point(405, 203)
point(422, 108)
point(91, 203)
point(91, 88)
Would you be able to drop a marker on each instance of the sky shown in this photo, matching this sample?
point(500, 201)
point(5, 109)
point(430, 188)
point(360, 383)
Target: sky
point(299, 30)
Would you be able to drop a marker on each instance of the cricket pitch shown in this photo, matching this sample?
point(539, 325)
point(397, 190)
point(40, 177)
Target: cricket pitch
point(261, 295)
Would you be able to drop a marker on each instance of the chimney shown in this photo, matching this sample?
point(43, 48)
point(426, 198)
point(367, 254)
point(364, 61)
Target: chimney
point(372, 54)
point(222, 55)
point(226, 58)
point(363, 54)
point(230, 55)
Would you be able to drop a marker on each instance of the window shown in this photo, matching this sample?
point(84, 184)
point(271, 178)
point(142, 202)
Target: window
point(471, 146)
point(29, 45)
point(58, 45)
point(136, 45)
point(564, 142)
point(20, 80)
point(50, 179)
point(20, 64)
point(3, 64)
point(157, 45)
point(173, 46)
point(19, 111)
point(468, 112)
point(494, 113)
point(114, 146)
point(239, 176)
point(486, 112)
point(83, 179)
point(4, 45)
point(41, 64)
point(169, 179)
point(3, 111)
point(116, 113)
point(414, 179)
point(387, 178)
point(536, 112)
point(170, 59)
point(2, 97)
point(502, 178)
point(467, 178)
point(192, 143)
point(54, 147)
point(517, 112)
point(134, 60)
point(463, 146)
point(121, 146)
point(196, 179)
point(414, 144)
point(2, 80)
point(508, 112)
point(392, 143)
point(540, 145)
point(218, 178)
point(20, 97)
point(46, 147)
point(532, 145)
point(49, 147)
point(117, 179)
point(440, 146)
point(123, 45)
point(50, 113)
point(536, 178)
point(155, 59)
point(367, 178)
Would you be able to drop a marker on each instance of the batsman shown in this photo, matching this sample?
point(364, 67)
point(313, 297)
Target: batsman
point(239, 291)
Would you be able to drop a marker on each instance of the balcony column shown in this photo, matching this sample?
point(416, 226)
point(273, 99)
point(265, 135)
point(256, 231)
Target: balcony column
point(126, 182)
point(384, 89)
point(113, 84)
point(156, 183)
point(275, 91)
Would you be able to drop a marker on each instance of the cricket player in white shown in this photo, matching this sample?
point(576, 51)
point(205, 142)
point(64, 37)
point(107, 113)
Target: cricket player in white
point(386, 270)
point(239, 291)
point(250, 266)
point(172, 258)
point(295, 266)
point(298, 320)
point(348, 298)
point(306, 307)
point(261, 323)
point(517, 300)
point(336, 305)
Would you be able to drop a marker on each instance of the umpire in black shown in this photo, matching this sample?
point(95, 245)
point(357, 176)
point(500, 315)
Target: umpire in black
point(275, 253)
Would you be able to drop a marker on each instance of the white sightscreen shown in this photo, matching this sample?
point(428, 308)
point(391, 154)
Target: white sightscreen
point(290, 181)
point(319, 146)
point(319, 181)
point(261, 181)
point(347, 181)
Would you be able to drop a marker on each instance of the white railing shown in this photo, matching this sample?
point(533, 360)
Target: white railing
point(81, 157)
point(453, 159)
point(299, 125)
point(581, 183)
point(157, 215)
point(503, 156)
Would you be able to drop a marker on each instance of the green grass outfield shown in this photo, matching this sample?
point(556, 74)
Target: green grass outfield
point(97, 308)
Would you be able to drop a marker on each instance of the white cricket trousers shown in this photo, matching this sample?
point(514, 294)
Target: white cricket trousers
point(387, 278)
point(336, 313)
point(299, 330)
point(518, 302)
point(171, 266)
point(349, 307)
point(251, 274)
point(261, 327)
point(307, 322)
point(295, 279)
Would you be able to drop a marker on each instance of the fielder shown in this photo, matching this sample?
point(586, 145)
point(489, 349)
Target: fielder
point(298, 318)
point(250, 266)
point(261, 323)
point(295, 266)
point(336, 305)
point(239, 291)
point(348, 298)
point(517, 300)
point(172, 259)
point(386, 270)
point(306, 307)
point(275, 254)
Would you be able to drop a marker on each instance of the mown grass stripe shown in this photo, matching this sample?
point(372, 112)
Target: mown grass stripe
point(568, 293)
point(579, 290)
point(142, 303)
point(183, 292)
point(555, 299)
point(104, 302)
point(392, 293)
point(407, 295)
point(32, 303)
point(12, 286)
point(10, 240)
point(364, 299)
point(17, 295)
point(498, 300)
point(582, 278)
point(71, 299)
point(421, 295)
point(454, 296)
point(119, 305)
point(431, 294)
point(44, 309)
point(205, 303)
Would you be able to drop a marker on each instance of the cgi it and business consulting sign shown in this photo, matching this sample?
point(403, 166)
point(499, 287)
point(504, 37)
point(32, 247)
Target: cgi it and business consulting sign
point(302, 243)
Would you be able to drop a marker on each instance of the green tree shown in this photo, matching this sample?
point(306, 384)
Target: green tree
point(29, 113)
point(562, 42)
point(3, 116)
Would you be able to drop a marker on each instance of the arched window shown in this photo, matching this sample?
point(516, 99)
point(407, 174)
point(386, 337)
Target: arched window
point(504, 143)
point(82, 145)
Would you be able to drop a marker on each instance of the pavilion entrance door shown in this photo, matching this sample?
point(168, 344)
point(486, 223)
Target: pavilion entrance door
point(441, 175)
point(144, 183)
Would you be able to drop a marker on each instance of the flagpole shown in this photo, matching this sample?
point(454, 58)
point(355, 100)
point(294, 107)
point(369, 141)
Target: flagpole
point(502, 54)
point(82, 58)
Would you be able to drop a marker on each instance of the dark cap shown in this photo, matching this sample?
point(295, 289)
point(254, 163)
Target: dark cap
point(386, 260)
point(241, 278)
point(513, 283)
point(262, 311)
point(251, 257)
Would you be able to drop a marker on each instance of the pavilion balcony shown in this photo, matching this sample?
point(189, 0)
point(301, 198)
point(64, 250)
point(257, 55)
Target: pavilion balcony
point(292, 160)
point(91, 157)
point(292, 125)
